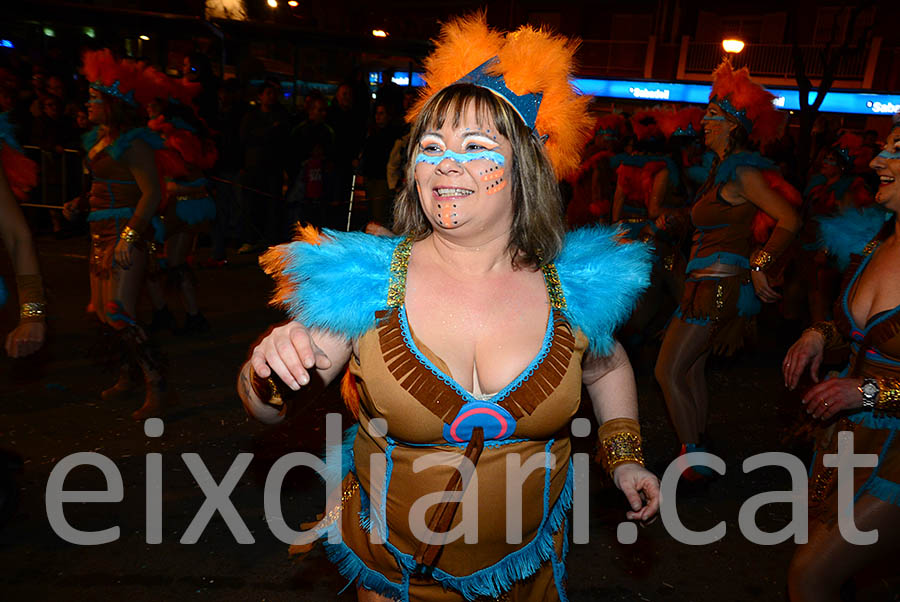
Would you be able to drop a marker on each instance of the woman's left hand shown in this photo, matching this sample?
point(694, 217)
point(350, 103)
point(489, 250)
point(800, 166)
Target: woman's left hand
point(25, 339)
point(641, 488)
point(832, 396)
point(124, 253)
point(761, 285)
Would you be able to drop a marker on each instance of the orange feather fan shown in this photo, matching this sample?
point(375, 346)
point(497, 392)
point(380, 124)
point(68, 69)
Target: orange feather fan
point(746, 95)
point(530, 61)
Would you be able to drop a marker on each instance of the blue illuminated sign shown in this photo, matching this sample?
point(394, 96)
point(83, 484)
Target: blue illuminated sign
point(6, 44)
point(835, 101)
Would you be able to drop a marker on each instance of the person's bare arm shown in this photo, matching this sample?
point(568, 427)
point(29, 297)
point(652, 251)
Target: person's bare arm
point(140, 161)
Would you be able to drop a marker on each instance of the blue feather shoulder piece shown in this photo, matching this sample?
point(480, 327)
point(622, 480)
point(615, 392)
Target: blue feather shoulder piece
point(848, 232)
point(8, 133)
point(335, 281)
point(124, 141)
point(602, 278)
point(727, 170)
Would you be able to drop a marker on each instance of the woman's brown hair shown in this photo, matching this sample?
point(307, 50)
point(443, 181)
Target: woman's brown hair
point(538, 229)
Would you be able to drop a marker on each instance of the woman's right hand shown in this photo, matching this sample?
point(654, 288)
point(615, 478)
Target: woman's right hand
point(808, 350)
point(71, 209)
point(290, 352)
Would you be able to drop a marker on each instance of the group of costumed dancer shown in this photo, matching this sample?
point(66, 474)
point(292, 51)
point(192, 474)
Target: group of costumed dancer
point(479, 242)
point(147, 194)
point(472, 329)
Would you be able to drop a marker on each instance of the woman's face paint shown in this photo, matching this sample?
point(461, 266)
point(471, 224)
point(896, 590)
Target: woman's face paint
point(96, 108)
point(887, 165)
point(716, 128)
point(460, 169)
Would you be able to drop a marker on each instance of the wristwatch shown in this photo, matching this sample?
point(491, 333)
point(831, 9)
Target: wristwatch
point(869, 389)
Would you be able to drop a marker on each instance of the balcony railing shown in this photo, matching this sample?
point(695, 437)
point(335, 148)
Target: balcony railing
point(774, 60)
point(621, 58)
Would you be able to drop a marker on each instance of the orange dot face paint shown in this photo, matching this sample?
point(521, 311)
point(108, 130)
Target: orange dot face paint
point(496, 186)
point(447, 214)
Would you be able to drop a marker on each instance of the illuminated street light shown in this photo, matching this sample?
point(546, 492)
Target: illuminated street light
point(379, 33)
point(293, 3)
point(273, 3)
point(145, 38)
point(49, 32)
point(732, 46)
point(89, 32)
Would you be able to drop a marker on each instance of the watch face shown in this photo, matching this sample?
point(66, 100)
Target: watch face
point(869, 389)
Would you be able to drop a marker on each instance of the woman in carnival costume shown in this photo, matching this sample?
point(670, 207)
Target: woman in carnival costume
point(187, 207)
point(644, 179)
point(469, 334)
point(837, 188)
point(126, 162)
point(594, 182)
point(726, 277)
point(864, 399)
point(18, 175)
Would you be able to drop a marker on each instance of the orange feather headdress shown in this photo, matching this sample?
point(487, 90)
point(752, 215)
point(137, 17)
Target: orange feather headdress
point(124, 79)
point(748, 102)
point(646, 124)
point(610, 126)
point(529, 68)
point(686, 122)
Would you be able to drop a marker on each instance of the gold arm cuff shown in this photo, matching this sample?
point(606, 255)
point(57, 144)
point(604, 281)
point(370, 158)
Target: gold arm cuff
point(130, 235)
point(266, 389)
point(32, 310)
point(888, 401)
point(761, 259)
point(829, 332)
point(620, 442)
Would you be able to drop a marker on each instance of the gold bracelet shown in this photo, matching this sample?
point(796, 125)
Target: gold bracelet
point(828, 331)
point(620, 442)
point(760, 260)
point(32, 310)
point(129, 235)
point(888, 400)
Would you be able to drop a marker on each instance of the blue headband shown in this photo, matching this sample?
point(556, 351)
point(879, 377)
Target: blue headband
point(114, 91)
point(526, 105)
point(729, 108)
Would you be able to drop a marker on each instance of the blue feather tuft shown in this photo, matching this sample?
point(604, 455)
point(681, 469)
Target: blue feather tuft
point(4, 292)
point(727, 170)
point(341, 283)
point(848, 232)
point(602, 279)
point(8, 133)
point(346, 450)
point(124, 141)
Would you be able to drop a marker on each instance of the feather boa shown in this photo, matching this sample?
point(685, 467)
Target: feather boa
point(20, 171)
point(336, 281)
point(848, 232)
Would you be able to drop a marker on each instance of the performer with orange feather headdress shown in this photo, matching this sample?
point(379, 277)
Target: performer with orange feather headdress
point(127, 162)
point(593, 184)
point(492, 274)
point(726, 277)
point(187, 206)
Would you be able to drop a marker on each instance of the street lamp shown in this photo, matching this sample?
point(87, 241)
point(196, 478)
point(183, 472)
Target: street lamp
point(293, 3)
point(273, 3)
point(379, 33)
point(732, 46)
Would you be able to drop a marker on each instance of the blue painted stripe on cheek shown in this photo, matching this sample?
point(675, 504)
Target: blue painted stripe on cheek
point(888, 155)
point(714, 118)
point(492, 156)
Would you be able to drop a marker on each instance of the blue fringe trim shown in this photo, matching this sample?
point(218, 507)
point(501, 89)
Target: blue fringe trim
point(351, 567)
point(848, 232)
point(364, 502)
point(602, 279)
point(194, 211)
point(727, 170)
point(103, 214)
point(4, 292)
point(499, 578)
point(748, 303)
point(699, 263)
point(874, 420)
point(8, 133)
point(697, 321)
point(124, 141)
point(340, 283)
point(884, 490)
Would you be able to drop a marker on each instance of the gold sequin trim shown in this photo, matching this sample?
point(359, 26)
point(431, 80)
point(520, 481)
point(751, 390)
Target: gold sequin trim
point(129, 235)
point(335, 513)
point(888, 396)
point(554, 287)
point(720, 298)
point(870, 246)
point(823, 479)
point(620, 448)
point(399, 265)
point(829, 333)
point(669, 262)
point(32, 310)
point(761, 259)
